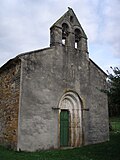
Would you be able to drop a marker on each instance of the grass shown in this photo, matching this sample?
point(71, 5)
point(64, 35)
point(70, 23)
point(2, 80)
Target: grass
point(104, 151)
point(115, 122)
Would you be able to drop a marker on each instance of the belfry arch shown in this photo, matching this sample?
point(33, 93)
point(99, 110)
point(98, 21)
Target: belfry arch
point(65, 33)
point(72, 103)
point(77, 38)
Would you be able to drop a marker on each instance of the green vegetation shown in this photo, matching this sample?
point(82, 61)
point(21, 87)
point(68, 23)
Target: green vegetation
point(115, 122)
point(113, 92)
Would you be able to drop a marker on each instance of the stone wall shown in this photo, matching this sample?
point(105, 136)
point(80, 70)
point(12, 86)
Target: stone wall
point(46, 76)
point(98, 114)
point(9, 103)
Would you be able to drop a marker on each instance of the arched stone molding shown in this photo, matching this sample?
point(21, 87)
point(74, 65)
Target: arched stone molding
point(71, 101)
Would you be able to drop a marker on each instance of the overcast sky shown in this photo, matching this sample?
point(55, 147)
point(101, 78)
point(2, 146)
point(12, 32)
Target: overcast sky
point(24, 26)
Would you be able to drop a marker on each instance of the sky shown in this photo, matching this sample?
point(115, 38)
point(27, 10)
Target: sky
point(24, 26)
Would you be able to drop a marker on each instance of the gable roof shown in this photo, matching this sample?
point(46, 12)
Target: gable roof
point(68, 17)
point(14, 60)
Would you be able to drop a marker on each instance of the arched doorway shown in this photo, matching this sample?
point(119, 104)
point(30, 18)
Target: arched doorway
point(70, 120)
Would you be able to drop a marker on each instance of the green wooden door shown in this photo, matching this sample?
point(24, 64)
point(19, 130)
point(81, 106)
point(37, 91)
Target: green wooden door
point(64, 128)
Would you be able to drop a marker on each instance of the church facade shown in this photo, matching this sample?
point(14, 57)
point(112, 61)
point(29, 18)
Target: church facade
point(51, 98)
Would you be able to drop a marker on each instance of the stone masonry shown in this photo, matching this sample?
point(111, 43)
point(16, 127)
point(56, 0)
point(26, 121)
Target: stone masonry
point(9, 104)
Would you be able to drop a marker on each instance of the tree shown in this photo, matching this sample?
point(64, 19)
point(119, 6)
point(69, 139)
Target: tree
point(113, 92)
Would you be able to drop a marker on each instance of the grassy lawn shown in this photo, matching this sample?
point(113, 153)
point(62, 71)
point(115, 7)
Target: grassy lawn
point(104, 151)
point(115, 122)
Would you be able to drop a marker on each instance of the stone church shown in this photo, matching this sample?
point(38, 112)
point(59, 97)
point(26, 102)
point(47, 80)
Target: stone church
point(51, 98)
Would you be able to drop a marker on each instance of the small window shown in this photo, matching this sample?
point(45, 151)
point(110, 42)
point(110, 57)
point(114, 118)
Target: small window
point(63, 41)
point(71, 19)
point(76, 45)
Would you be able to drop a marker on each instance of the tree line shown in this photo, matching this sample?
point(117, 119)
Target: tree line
point(113, 92)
